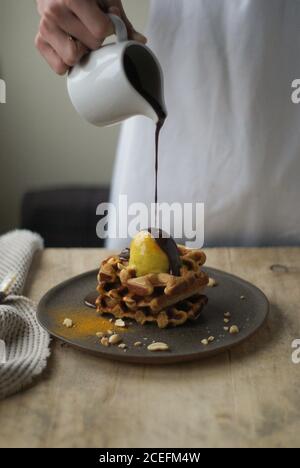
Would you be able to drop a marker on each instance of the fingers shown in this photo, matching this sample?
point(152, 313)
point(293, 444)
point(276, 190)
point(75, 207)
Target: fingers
point(50, 56)
point(70, 51)
point(71, 25)
point(89, 13)
point(82, 20)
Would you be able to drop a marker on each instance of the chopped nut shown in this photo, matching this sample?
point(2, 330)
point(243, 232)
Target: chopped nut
point(111, 320)
point(100, 335)
point(226, 320)
point(242, 298)
point(137, 344)
point(204, 342)
point(140, 286)
point(227, 314)
point(120, 323)
point(122, 346)
point(107, 272)
point(158, 347)
point(68, 323)
point(110, 332)
point(125, 275)
point(104, 341)
point(212, 283)
point(114, 339)
point(211, 339)
point(129, 301)
point(113, 293)
point(226, 328)
point(234, 330)
point(161, 280)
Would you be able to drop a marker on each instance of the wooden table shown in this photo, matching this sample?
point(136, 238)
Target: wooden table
point(249, 397)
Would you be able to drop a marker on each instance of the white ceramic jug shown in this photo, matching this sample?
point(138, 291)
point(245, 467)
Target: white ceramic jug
point(118, 81)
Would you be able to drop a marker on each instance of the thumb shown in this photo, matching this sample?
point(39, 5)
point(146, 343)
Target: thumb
point(132, 33)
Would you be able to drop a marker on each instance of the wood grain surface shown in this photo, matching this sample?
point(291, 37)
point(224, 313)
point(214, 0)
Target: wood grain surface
point(248, 397)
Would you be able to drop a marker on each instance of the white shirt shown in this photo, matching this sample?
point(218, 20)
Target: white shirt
point(232, 136)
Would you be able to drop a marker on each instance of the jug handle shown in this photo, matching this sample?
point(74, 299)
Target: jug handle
point(120, 28)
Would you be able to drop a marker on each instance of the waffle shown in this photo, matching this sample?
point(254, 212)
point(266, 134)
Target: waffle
point(162, 298)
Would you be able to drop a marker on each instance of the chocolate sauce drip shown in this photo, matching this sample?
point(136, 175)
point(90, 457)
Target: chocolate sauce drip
point(159, 126)
point(144, 76)
point(90, 299)
point(125, 255)
point(169, 246)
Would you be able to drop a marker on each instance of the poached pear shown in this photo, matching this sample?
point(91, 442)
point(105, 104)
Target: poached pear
point(146, 256)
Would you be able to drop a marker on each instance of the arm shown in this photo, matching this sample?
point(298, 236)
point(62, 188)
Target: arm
point(70, 28)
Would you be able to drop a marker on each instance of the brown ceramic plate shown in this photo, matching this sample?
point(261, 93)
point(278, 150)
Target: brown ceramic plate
point(66, 301)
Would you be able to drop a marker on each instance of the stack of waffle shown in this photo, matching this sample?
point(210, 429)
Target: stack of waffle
point(162, 298)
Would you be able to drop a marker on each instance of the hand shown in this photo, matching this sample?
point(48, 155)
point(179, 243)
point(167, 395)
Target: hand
point(70, 28)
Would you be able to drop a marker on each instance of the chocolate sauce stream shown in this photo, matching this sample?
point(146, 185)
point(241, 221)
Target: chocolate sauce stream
point(148, 85)
point(159, 126)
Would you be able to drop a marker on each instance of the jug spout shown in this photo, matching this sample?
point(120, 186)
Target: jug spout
point(145, 75)
point(154, 114)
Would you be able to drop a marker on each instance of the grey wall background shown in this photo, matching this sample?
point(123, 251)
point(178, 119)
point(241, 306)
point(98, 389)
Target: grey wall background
point(43, 143)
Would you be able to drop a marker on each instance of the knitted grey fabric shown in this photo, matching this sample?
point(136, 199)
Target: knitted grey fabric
point(24, 345)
